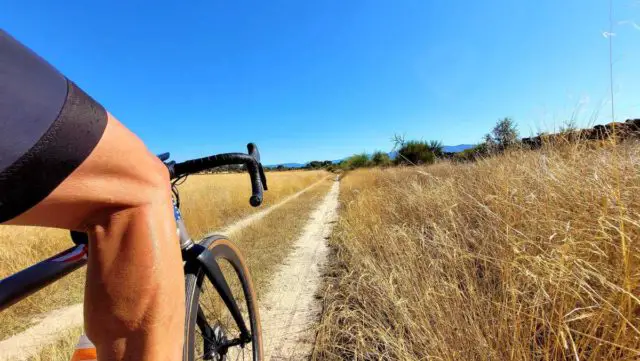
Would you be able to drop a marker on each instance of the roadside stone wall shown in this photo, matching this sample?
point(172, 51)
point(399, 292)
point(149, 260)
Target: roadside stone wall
point(621, 130)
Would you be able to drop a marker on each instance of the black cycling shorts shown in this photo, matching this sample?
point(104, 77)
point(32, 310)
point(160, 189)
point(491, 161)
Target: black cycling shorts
point(48, 127)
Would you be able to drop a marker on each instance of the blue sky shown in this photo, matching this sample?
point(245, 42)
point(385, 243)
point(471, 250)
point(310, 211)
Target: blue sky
point(325, 79)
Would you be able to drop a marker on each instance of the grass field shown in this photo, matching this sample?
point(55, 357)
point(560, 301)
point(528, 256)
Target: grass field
point(524, 256)
point(210, 205)
point(209, 202)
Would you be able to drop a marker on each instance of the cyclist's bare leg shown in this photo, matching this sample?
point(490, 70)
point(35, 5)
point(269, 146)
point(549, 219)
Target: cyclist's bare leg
point(134, 297)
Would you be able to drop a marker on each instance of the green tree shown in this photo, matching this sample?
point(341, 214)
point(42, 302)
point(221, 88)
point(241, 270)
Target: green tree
point(357, 161)
point(316, 164)
point(313, 164)
point(489, 143)
point(415, 152)
point(380, 159)
point(503, 135)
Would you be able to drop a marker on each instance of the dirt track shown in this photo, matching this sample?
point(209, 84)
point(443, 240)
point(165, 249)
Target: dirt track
point(290, 308)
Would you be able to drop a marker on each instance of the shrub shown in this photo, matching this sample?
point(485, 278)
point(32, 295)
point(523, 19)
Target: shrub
point(356, 161)
point(436, 147)
point(380, 159)
point(415, 152)
point(503, 135)
point(479, 150)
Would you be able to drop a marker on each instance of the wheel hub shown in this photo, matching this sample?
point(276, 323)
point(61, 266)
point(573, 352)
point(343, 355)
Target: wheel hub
point(216, 348)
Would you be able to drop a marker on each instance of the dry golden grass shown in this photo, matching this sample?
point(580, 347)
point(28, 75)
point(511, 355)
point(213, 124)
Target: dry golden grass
point(525, 256)
point(264, 244)
point(61, 350)
point(208, 202)
point(20, 247)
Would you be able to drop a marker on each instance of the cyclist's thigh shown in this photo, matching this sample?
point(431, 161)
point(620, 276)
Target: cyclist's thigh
point(48, 126)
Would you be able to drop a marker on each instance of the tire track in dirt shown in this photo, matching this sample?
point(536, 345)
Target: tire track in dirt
point(29, 342)
point(289, 310)
point(242, 223)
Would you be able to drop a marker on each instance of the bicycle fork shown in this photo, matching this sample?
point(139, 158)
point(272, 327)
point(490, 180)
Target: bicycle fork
point(195, 255)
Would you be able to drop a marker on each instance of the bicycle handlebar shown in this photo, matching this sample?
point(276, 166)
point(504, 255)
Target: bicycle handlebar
point(250, 160)
point(262, 178)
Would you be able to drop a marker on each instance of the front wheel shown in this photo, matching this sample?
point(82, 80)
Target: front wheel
point(210, 331)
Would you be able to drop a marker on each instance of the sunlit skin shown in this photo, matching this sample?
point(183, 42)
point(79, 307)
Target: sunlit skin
point(134, 296)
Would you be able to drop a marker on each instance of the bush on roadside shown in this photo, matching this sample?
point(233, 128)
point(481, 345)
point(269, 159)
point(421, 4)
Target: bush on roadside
point(478, 151)
point(503, 135)
point(356, 161)
point(415, 152)
point(381, 159)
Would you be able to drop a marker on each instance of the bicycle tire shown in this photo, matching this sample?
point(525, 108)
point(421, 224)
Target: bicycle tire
point(195, 285)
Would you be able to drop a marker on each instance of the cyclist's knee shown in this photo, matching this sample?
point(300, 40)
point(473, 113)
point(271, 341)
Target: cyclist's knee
point(157, 180)
point(138, 185)
point(137, 177)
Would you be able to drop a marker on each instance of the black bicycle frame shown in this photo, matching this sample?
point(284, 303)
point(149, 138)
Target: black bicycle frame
point(22, 284)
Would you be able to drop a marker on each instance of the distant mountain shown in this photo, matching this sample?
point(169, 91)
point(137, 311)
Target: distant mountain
point(457, 148)
point(297, 165)
point(286, 165)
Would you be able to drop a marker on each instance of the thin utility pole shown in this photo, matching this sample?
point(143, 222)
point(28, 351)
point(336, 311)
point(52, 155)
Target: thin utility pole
point(613, 119)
